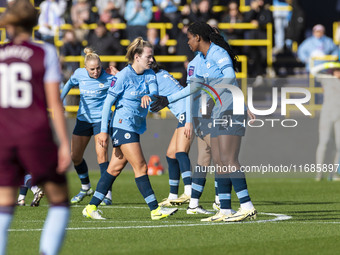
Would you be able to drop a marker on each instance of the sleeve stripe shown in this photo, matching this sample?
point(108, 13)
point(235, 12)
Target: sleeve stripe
point(226, 66)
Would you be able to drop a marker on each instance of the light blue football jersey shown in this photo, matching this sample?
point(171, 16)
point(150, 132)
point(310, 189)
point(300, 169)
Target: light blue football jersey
point(126, 91)
point(208, 73)
point(92, 93)
point(168, 85)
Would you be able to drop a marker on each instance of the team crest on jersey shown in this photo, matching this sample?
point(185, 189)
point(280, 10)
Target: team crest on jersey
point(101, 85)
point(113, 82)
point(191, 70)
point(127, 136)
point(208, 65)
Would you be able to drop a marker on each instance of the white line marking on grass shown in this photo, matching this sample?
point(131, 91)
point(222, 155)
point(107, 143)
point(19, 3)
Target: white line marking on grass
point(279, 217)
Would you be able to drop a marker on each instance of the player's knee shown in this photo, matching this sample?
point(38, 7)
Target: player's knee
point(115, 171)
point(229, 161)
point(141, 170)
point(76, 159)
point(171, 154)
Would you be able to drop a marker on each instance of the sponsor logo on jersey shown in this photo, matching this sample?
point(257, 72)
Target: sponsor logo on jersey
point(222, 60)
point(113, 82)
point(191, 70)
point(127, 136)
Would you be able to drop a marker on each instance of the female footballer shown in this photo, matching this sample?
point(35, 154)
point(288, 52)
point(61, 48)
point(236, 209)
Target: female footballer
point(131, 91)
point(29, 84)
point(215, 64)
point(93, 84)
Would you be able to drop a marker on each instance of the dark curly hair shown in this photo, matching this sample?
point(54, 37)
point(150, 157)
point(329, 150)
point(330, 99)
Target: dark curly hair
point(210, 34)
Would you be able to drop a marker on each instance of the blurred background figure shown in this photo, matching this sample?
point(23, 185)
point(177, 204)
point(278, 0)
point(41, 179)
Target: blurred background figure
point(233, 15)
point(182, 49)
point(296, 25)
point(159, 45)
point(260, 16)
point(138, 13)
point(281, 20)
point(50, 18)
point(81, 14)
point(103, 43)
point(317, 45)
point(111, 7)
point(328, 74)
point(71, 47)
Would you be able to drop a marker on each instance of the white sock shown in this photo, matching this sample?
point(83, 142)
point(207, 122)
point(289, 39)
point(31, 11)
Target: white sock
point(187, 190)
point(54, 231)
point(217, 199)
point(109, 195)
point(193, 203)
point(34, 189)
point(86, 186)
point(5, 222)
point(225, 211)
point(21, 197)
point(172, 196)
point(247, 205)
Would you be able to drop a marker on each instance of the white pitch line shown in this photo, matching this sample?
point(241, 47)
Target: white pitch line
point(279, 217)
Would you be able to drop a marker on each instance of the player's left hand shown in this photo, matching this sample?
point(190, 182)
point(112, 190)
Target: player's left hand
point(251, 116)
point(188, 129)
point(159, 103)
point(145, 101)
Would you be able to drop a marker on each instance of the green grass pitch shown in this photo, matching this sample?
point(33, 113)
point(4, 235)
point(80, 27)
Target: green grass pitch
point(314, 208)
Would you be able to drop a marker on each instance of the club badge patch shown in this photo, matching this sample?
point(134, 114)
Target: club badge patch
point(191, 70)
point(113, 82)
point(127, 136)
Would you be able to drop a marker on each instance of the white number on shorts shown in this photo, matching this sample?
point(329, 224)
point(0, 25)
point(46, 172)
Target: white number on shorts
point(14, 92)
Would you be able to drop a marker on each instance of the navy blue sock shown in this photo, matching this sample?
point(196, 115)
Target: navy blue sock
point(198, 182)
point(104, 183)
point(83, 172)
point(23, 190)
point(144, 186)
point(184, 166)
point(174, 174)
point(224, 190)
point(239, 182)
point(103, 167)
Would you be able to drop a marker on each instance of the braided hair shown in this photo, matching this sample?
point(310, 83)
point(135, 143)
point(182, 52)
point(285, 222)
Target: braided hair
point(210, 34)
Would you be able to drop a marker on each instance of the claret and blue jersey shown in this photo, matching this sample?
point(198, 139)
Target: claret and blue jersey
point(92, 93)
point(126, 91)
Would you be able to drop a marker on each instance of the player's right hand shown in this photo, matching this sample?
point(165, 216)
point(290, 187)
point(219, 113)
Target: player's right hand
point(159, 103)
point(64, 158)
